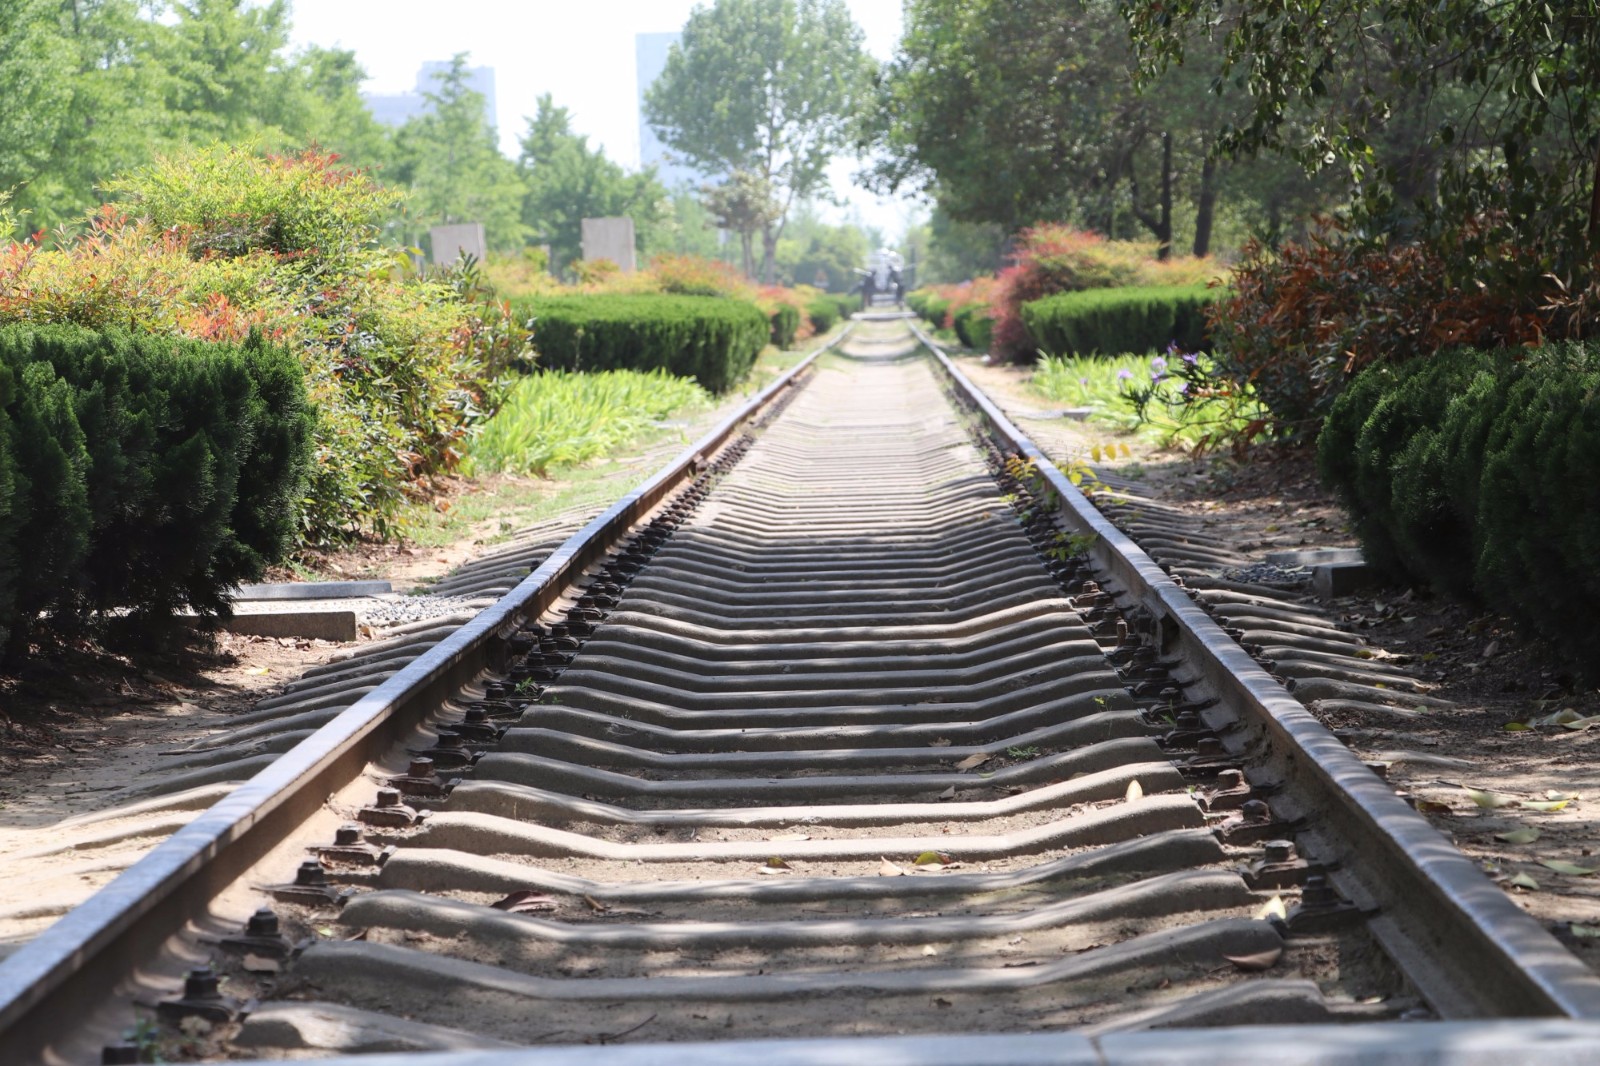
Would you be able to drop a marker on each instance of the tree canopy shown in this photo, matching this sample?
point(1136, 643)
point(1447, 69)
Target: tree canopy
point(765, 87)
point(567, 181)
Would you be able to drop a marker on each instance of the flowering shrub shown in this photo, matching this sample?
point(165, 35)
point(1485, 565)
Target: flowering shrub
point(1300, 322)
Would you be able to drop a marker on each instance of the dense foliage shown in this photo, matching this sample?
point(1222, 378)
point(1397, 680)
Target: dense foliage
point(231, 241)
point(141, 473)
point(712, 339)
point(1132, 319)
point(1473, 471)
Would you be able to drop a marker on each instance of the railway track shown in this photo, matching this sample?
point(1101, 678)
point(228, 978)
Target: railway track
point(857, 721)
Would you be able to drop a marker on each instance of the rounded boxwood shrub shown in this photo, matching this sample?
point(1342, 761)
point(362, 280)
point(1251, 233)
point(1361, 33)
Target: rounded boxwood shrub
point(147, 474)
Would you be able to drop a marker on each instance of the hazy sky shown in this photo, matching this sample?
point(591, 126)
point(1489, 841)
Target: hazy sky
point(580, 51)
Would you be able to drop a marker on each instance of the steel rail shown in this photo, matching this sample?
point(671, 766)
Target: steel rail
point(1468, 949)
point(80, 960)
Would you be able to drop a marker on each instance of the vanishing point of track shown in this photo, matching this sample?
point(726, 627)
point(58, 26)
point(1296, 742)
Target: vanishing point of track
point(857, 720)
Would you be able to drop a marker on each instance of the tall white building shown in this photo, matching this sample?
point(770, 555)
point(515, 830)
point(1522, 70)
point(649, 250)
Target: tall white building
point(395, 109)
point(651, 52)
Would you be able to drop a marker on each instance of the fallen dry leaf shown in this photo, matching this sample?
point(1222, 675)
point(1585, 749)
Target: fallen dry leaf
point(889, 869)
point(972, 761)
point(1135, 792)
point(525, 902)
point(1261, 960)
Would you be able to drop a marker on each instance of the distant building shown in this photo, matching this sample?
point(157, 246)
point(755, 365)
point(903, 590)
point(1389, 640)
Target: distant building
point(396, 109)
point(651, 50)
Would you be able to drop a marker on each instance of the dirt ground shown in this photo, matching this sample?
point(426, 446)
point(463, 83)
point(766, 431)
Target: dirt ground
point(1498, 764)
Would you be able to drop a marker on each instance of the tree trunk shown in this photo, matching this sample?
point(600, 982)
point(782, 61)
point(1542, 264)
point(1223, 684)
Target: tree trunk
point(769, 255)
point(1594, 205)
point(1164, 235)
point(1205, 207)
point(1160, 225)
point(747, 251)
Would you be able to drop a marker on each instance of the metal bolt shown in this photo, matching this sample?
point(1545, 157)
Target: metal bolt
point(263, 922)
point(476, 716)
point(1228, 780)
point(120, 1055)
point(1255, 811)
point(1209, 746)
point(311, 874)
point(347, 835)
point(202, 983)
point(388, 797)
point(1317, 893)
point(1279, 851)
point(420, 767)
point(449, 738)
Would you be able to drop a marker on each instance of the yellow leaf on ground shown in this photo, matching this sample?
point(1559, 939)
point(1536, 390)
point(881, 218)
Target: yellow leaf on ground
point(1272, 908)
point(1491, 800)
point(1519, 836)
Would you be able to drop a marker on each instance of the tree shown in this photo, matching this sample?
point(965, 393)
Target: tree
point(566, 182)
point(745, 204)
point(1012, 112)
point(226, 61)
point(1478, 120)
point(449, 157)
point(815, 252)
point(80, 96)
point(768, 87)
point(325, 108)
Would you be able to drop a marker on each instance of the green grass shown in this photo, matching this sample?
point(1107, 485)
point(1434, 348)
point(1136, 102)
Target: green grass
point(559, 418)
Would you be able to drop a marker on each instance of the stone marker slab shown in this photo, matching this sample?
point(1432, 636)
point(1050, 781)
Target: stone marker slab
point(318, 620)
point(452, 242)
point(1314, 556)
point(1332, 580)
point(611, 238)
point(313, 590)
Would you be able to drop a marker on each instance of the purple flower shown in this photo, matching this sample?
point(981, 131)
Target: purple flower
point(1157, 365)
point(1172, 347)
point(1191, 358)
point(1124, 374)
point(1083, 381)
point(1183, 386)
point(1156, 375)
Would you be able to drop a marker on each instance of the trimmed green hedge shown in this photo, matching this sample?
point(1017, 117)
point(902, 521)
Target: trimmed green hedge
point(1129, 319)
point(930, 307)
point(785, 324)
point(141, 473)
point(824, 313)
point(712, 339)
point(974, 326)
point(1473, 472)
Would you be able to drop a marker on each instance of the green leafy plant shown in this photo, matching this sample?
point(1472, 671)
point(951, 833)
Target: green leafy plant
point(559, 418)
